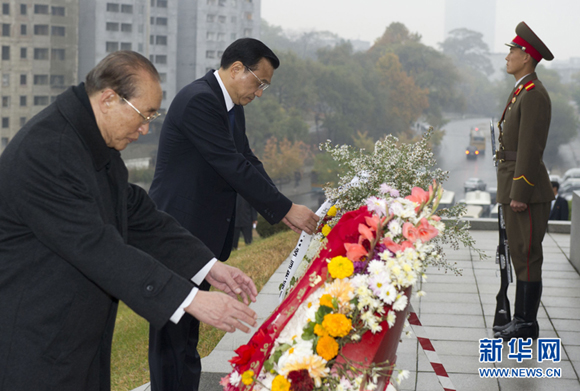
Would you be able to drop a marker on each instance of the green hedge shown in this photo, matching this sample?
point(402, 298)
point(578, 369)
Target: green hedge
point(266, 229)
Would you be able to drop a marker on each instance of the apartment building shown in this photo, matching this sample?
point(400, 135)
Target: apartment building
point(39, 58)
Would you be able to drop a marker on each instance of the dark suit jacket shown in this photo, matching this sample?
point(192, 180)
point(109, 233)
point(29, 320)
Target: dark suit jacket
point(200, 167)
point(560, 209)
point(245, 214)
point(75, 238)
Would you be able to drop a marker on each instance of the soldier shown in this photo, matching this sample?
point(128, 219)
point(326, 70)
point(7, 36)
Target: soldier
point(523, 184)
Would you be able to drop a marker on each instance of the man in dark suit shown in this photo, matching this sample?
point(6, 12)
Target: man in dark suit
point(204, 160)
point(523, 184)
point(75, 238)
point(246, 220)
point(559, 209)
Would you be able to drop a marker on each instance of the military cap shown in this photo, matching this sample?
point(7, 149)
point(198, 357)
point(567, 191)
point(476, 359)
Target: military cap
point(529, 42)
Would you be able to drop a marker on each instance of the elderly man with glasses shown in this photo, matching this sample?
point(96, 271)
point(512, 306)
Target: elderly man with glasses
point(75, 238)
point(204, 160)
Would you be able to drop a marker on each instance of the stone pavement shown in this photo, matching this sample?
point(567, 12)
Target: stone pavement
point(456, 312)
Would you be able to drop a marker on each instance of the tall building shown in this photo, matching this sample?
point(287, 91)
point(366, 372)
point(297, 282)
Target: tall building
point(473, 15)
point(39, 44)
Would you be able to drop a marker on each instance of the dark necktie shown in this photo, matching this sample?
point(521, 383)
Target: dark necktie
point(232, 117)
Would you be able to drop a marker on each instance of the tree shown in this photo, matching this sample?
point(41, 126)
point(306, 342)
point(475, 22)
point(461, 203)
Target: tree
point(282, 159)
point(467, 48)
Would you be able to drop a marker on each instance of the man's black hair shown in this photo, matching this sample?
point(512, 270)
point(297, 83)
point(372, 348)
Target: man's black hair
point(249, 51)
point(556, 185)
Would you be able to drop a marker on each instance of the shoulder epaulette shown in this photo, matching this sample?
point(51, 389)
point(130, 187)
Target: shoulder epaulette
point(529, 85)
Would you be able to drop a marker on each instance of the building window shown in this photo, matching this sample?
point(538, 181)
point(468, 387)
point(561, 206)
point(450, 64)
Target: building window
point(222, 19)
point(126, 27)
point(127, 8)
point(152, 20)
point(220, 53)
point(57, 54)
point(5, 52)
point(140, 48)
point(210, 36)
point(112, 26)
point(40, 54)
point(5, 29)
point(5, 80)
point(5, 122)
point(23, 53)
point(41, 9)
point(41, 100)
point(23, 29)
point(161, 59)
point(151, 39)
point(40, 80)
point(5, 101)
point(5, 9)
point(221, 37)
point(163, 77)
point(22, 121)
point(4, 142)
point(210, 18)
point(112, 47)
point(23, 9)
point(162, 3)
point(126, 46)
point(40, 29)
point(57, 80)
point(57, 31)
point(23, 80)
point(248, 15)
point(210, 54)
point(164, 95)
point(222, 3)
point(247, 32)
point(161, 21)
point(23, 100)
point(58, 11)
point(161, 40)
point(112, 7)
point(152, 3)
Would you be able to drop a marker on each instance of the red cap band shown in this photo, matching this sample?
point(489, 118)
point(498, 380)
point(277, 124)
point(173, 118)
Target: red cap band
point(527, 48)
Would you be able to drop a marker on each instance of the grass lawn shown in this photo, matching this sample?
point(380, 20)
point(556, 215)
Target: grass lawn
point(129, 368)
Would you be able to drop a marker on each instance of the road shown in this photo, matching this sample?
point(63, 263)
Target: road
point(451, 156)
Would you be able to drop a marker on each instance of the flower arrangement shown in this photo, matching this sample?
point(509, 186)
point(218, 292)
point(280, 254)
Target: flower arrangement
point(356, 287)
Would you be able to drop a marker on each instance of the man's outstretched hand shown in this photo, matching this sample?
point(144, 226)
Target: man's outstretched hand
point(301, 218)
point(222, 311)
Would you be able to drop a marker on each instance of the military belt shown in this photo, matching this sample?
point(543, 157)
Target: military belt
point(503, 156)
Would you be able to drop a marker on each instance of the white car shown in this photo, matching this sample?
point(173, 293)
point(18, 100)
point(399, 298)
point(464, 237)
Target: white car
point(473, 184)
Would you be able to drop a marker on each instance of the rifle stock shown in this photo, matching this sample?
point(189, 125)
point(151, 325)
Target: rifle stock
point(502, 258)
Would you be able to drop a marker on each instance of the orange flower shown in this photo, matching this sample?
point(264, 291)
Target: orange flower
point(320, 331)
point(355, 251)
point(327, 348)
point(280, 384)
point(326, 300)
point(337, 325)
point(340, 267)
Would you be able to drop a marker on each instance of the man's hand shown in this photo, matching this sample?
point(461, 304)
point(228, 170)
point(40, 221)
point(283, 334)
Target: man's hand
point(518, 206)
point(221, 311)
point(301, 218)
point(232, 281)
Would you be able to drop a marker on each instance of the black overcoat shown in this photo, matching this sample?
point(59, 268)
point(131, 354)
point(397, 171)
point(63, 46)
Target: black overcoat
point(75, 238)
point(201, 166)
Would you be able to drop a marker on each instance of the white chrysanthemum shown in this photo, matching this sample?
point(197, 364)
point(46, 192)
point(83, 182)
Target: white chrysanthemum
point(357, 281)
point(403, 374)
point(377, 205)
point(400, 303)
point(421, 293)
point(396, 208)
point(395, 227)
point(390, 294)
point(235, 378)
point(375, 267)
point(391, 317)
point(295, 353)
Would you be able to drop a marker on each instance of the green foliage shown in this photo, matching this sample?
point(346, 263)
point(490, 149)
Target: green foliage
point(266, 229)
point(466, 47)
point(141, 175)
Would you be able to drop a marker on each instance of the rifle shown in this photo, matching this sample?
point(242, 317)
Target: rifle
point(502, 257)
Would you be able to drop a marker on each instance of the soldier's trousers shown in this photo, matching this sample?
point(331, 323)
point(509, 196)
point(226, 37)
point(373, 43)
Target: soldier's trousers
point(525, 232)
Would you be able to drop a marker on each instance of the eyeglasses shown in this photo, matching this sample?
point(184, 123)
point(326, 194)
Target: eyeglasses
point(146, 120)
point(263, 86)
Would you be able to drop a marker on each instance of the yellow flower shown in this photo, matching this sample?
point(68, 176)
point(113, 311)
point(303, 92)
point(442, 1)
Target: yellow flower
point(326, 229)
point(327, 348)
point(315, 365)
point(332, 211)
point(248, 377)
point(340, 267)
point(342, 290)
point(326, 300)
point(320, 331)
point(337, 325)
point(280, 384)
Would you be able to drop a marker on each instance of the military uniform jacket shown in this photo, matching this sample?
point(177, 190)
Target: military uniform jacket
point(525, 131)
point(75, 238)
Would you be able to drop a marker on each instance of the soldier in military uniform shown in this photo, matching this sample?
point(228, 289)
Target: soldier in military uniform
point(523, 184)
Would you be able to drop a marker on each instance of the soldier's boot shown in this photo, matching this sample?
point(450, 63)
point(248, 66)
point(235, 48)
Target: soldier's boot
point(525, 323)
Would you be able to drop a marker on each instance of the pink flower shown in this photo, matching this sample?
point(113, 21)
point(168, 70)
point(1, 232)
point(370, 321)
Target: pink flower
point(373, 222)
point(418, 196)
point(394, 247)
point(426, 231)
point(365, 232)
point(410, 232)
point(436, 218)
point(355, 251)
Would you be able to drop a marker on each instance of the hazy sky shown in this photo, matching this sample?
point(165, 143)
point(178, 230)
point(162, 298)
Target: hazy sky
point(556, 22)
